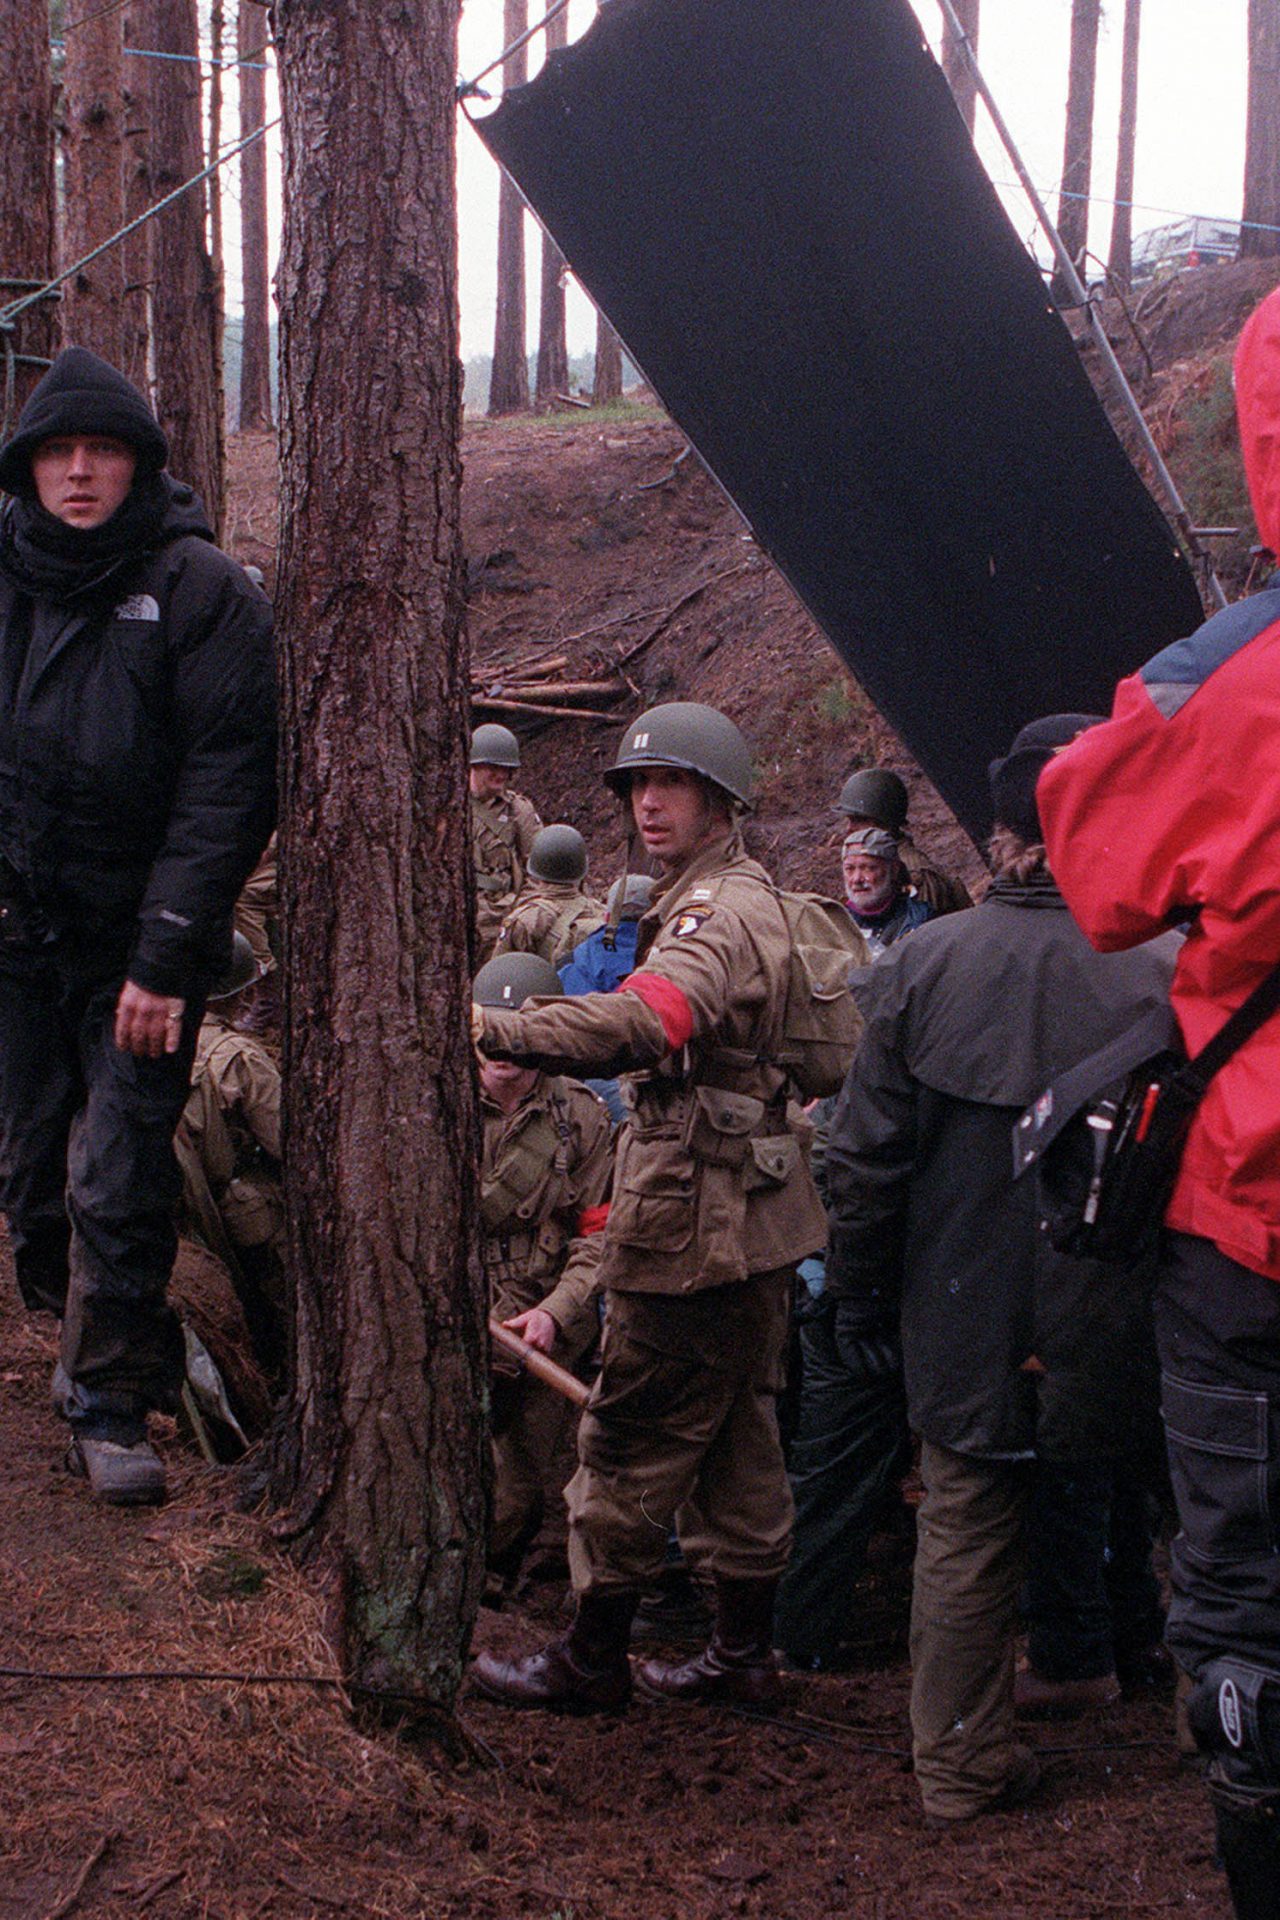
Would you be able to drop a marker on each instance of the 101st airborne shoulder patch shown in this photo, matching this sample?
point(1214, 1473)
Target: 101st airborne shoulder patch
point(689, 921)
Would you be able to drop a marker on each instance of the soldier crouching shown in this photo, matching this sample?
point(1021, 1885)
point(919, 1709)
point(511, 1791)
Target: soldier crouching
point(548, 1156)
point(712, 1206)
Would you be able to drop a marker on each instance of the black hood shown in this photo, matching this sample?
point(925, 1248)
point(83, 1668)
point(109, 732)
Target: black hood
point(80, 394)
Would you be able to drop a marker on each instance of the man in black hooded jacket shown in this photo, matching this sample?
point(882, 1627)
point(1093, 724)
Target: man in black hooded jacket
point(1011, 1352)
point(137, 789)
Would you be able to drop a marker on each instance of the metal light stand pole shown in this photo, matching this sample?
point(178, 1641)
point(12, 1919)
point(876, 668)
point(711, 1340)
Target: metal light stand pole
point(1079, 293)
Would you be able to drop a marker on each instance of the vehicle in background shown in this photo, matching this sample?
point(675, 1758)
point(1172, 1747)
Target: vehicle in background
point(1195, 241)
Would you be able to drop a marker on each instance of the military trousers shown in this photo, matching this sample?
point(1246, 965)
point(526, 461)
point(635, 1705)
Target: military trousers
point(88, 1178)
point(964, 1621)
point(682, 1429)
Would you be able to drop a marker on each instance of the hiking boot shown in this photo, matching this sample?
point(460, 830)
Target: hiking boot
point(585, 1671)
point(1036, 1698)
point(120, 1473)
point(1024, 1782)
point(738, 1666)
point(673, 1610)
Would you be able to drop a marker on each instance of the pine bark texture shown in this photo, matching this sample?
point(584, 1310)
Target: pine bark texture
point(384, 1463)
point(135, 356)
point(955, 65)
point(26, 178)
point(553, 349)
point(184, 308)
point(1120, 254)
point(1259, 239)
point(607, 383)
point(509, 380)
point(217, 35)
point(93, 177)
point(253, 36)
point(1077, 153)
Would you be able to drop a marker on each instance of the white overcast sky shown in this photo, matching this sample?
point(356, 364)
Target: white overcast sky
point(1191, 113)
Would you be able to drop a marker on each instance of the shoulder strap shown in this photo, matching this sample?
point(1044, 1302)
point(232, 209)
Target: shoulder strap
point(1241, 1026)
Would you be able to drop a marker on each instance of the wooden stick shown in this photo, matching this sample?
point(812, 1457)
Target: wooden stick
point(647, 639)
point(539, 1366)
point(561, 690)
point(550, 713)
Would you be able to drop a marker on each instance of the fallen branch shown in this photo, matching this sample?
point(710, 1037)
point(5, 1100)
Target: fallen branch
point(491, 705)
point(647, 486)
point(70, 1898)
point(566, 693)
point(694, 593)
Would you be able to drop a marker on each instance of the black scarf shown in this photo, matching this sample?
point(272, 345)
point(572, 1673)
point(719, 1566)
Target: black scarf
point(49, 560)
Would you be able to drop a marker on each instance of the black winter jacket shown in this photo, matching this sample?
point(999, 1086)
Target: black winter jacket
point(966, 1023)
point(137, 753)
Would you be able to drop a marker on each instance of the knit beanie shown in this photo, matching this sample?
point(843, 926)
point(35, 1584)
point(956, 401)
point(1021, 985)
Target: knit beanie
point(1013, 779)
point(81, 394)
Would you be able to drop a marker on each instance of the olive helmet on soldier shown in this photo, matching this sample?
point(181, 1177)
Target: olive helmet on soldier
point(629, 897)
point(693, 737)
point(241, 972)
point(509, 979)
point(494, 746)
point(558, 853)
point(877, 795)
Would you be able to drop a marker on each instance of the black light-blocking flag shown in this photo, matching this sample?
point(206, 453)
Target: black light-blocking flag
point(778, 207)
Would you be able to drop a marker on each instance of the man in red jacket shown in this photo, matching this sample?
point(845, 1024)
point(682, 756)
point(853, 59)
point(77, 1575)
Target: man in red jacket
point(1171, 812)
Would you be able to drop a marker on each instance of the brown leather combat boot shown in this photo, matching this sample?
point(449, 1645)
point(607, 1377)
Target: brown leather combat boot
point(738, 1666)
point(585, 1671)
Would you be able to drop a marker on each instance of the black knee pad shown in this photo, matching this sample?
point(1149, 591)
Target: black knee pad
point(1234, 1713)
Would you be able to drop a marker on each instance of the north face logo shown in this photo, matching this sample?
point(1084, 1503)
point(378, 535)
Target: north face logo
point(139, 606)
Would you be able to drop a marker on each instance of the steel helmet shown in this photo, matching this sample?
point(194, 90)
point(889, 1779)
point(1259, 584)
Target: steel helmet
point(494, 746)
point(558, 853)
point(876, 794)
point(241, 973)
point(509, 979)
point(689, 735)
point(629, 896)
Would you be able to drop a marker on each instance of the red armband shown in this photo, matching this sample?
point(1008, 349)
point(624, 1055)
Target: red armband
point(592, 1220)
point(667, 1001)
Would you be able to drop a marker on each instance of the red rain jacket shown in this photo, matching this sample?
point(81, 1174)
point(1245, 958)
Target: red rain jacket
point(1172, 808)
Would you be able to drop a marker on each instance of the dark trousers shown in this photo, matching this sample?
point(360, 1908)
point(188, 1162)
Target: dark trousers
point(88, 1178)
point(1091, 1601)
point(849, 1450)
point(1218, 1329)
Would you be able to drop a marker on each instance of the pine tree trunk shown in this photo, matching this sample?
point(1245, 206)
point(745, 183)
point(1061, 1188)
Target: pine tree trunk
point(385, 1459)
point(1077, 155)
point(253, 38)
point(26, 180)
point(217, 35)
point(93, 177)
point(607, 383)
point(1120, 256)
point(553, 350)
point(188, 370)
point(509, 381)
point(1259, 239)
point(135, 355)
point(954, 63)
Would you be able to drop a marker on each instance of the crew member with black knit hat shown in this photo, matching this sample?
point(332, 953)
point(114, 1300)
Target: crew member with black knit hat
point(137, 789)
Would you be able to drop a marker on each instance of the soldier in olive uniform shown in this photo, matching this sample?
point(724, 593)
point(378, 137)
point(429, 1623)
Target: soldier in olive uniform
point(503, 826)
point(877, 798)
point(548, 1158)
point(712, 1206)
point(554, 911)
point(228, 1148)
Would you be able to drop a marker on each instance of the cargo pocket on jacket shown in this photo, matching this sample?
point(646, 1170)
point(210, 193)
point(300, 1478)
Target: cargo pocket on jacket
point(773, 1161)
point(653, 1203)
point(1222, 1460)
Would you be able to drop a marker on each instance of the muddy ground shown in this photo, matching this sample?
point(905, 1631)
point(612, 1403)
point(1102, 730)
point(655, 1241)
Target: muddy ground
point(208, 1799)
